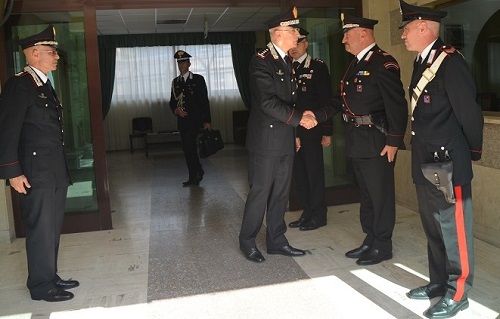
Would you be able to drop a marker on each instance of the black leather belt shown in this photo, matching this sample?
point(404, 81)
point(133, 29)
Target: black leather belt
point(357, 119)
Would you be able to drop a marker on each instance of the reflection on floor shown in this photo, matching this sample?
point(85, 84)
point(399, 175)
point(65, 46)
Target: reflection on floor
point(173, 253)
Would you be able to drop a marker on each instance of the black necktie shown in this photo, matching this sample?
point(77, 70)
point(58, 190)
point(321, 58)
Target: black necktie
point(288, 62)
point(51, 89)
point(295, 65)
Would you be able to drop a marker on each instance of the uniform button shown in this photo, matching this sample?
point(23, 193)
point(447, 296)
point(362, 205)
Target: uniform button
point(282, 80)
point(271, 126)
point(442, 148)
point(412, 119)
point(34, 153)
point(46, 105)
point(412, 133)
point(293, 93)
point(347, 83)
point(59, 118)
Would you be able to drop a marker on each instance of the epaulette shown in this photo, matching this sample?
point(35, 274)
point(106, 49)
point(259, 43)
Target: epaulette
point(382, 52)
point(449, 49)
point(319, 60)
point(21, 73)
point(34, 77)
point(263, 53)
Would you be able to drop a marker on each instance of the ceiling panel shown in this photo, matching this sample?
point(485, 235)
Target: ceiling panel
point(219, 19)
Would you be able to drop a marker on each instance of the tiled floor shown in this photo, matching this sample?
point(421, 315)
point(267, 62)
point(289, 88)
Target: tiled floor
point(173, 253)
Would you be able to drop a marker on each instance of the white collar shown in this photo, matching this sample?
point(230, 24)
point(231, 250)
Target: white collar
point(42, 76)
point(361, 54)
point(302, 58)
point(426, 51)
point(280, 52)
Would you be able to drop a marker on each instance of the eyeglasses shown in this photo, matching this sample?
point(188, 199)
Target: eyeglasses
point(51, 52)
point(293, 30)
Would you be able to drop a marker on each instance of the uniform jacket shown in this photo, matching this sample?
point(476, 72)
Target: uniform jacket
point(193, 96)
point(272, 116)
point(446, 116)
point(315, 94)
point(31, 139)
point(371, 86)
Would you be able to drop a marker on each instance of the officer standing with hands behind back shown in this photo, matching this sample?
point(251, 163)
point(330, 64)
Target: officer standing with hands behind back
point(375, 110)
point(189, 103)
point(32, 158)
point(447, 126)
point(314, 93)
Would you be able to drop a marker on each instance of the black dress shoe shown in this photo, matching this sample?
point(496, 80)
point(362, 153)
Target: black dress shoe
point(301, 221)
point(55, 295)
point(67, 284)
point(190, 182)
point(253, 254)
point(446, 308)
point(427, 292)
point(286, 250)
point(358, 252)
point(373, 257)
point(312, 225)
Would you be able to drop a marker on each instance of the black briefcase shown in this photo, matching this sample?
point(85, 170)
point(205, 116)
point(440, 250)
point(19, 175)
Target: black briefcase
point(209, 143)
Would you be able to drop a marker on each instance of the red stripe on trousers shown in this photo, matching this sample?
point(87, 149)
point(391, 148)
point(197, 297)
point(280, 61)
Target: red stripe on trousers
point(462, 244)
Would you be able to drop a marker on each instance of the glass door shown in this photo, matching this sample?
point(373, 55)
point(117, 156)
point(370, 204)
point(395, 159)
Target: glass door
point(325, 43)
point(70, 83)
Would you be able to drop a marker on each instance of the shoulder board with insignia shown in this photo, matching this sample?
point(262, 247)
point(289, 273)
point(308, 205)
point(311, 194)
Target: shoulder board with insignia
point(262, 53)
point(449, 49)
point(21, 73)
point(382, 52)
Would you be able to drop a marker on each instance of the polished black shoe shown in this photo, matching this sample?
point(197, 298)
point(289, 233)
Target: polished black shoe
point(286, 250)
point(312, 225)
point(427, 292)
point(374, 256)
point(190, 182)
point(56, 294)
point(358, 252)
point(67, 284)
point(301, 221)
point(446, 308)
point(253, 254)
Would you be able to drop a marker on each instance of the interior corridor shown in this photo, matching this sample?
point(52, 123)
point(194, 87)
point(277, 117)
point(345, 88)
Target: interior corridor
point(173, 253)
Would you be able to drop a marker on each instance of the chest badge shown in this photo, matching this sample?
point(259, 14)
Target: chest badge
point(359, 88)
point(42, 96)
point(280, 72)
point(427, 99)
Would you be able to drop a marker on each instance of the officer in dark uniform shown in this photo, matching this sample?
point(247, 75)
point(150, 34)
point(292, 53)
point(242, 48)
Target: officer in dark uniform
point(33, 160)
point(270, 139)
point(189, 102)
point(446, 125)
point(376, 113)
point(314, 93)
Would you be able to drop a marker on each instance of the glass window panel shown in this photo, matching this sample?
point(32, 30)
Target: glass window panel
point(70, 83)
point(478, 39)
